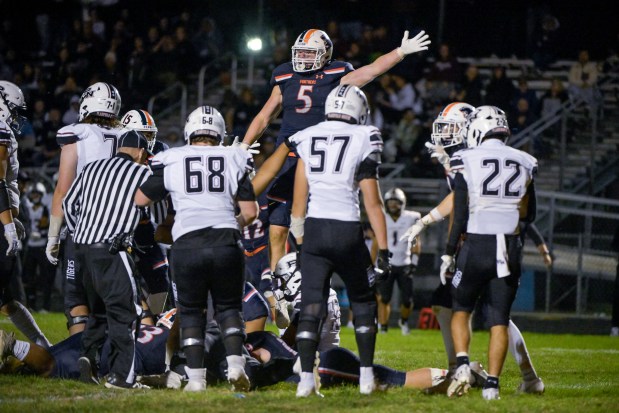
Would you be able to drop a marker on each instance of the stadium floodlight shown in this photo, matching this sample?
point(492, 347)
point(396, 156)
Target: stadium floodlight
point(254, 44)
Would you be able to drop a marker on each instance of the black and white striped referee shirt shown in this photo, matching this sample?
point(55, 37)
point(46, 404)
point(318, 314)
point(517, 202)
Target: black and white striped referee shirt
point(99, 205)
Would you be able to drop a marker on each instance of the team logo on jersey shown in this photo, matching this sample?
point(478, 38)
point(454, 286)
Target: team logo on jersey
point(320, 76)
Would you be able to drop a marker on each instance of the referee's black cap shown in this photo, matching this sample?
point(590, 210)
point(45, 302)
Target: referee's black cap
point(133, 139)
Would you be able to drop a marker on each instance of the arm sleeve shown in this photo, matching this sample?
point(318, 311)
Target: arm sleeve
point(461, 213)
point(154, 187)
point(532, 204)
point(246, 189)
point(71, 203)
point(368, 168)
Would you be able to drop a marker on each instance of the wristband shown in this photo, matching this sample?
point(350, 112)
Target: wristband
point(436, 215)
point(297, 226)
point(400, 53)
point(55, 223)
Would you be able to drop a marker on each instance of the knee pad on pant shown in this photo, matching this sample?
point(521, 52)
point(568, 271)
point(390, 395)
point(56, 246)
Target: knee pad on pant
point(231, 323)
point(309, 326)
point(192, 317)
point(191, 337)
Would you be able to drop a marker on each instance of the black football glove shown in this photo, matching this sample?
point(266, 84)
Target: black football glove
point(383, 267)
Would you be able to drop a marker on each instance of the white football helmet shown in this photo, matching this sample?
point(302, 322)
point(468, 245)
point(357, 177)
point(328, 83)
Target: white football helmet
point(100, 99)
point(36, 188)
point(397, 194)
point(11, 103)
point(288, 277)
point(348, 104)
point(317, 43)
point(205, 121)
point(448, 127)
point(142, 121)
point(483, 122)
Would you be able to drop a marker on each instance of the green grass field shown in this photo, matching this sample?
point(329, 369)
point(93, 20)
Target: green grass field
point(581, 374)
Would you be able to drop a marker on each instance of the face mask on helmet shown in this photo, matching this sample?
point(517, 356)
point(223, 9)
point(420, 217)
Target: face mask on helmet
point(100, 99)
point(484, 122)
point(311, 51)
point(287, 277)
point(205, 121)
point(142, 121)
point(36, 193)
point(448, 128)
point(12, 104)
point(397, 197)
point(348, 104)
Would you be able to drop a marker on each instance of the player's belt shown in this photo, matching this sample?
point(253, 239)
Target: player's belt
point(254, 252)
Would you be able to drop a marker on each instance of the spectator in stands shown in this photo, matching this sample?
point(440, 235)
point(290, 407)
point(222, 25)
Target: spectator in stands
point(38, 117)
point(48, 147)
point(553, 98)
point(71, 115)
point(399, 95)
point(355, 56)
point(521, 118)
point(444, 73)
point(208, 41)
point(64, 92)
point(406, 135)
point(185, 54)
point(523, 92)
point(583, 78)
point(240, 115)
point(470, 89)
point(500, 89)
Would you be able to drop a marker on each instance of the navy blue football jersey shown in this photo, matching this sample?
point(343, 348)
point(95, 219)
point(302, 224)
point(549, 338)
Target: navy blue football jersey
point(304, 94)
point(257, 234)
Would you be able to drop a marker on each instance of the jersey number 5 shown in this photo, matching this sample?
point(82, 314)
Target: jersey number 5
point(199, 167)
point(506, 187)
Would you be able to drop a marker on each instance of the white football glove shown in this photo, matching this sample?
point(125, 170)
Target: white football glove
point(10, 233)
point(252, 149)
point(52, 249)
point(414, 45)
point(21, 231)
point(438, 152)
point(413, 232)
point(448, 266)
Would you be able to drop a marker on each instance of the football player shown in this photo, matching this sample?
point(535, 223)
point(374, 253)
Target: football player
point(403, 262)
point(447, 137)
point(337, 158)
point(300, 89)
point(151, 262)
point(492, 183)
point(94, 137)
point(11, 121)
point(206, 181)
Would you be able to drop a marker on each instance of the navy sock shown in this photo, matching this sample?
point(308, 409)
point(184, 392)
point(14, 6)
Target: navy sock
point(492, 383)
point(460, 360)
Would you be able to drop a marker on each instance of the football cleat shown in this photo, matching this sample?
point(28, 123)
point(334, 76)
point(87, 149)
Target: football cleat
point(7, 342)
point(195, 385)
point(478, 374)
point(614, 332)
point(115, 382)
point(238, 379)
point(406, 330)
point(491, 393)
point(535, 386)
point(87, 374)
point(460, 381)
point(173, 380)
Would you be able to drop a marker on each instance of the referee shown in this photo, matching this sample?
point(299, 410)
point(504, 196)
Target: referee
point(100, 212)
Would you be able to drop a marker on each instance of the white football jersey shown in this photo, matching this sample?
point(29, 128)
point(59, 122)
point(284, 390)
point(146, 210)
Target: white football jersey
point(332, 152)
point(497, 177)
point(94, 142)
point(7, 138)
point(401, 250)
point(203, 182)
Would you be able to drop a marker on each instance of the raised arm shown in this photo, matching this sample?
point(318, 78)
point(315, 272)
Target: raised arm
point(270, 168)
point(367, 73)
point(263, 119)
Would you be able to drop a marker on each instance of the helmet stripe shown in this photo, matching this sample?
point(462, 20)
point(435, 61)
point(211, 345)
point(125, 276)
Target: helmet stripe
point(143, 117)
point(308, 34)
point(448, 108)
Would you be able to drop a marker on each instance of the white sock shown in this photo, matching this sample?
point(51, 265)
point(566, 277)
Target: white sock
point(195, 374)
point(518, 349)
point(307, 379)
point(23, 320)
point(366, 374)
point(236, 362)
point(21, 349)
point(443, 315)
